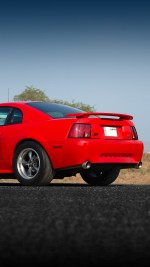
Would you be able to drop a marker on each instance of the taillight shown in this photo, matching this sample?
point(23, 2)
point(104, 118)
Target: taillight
point(80, 130)
point(134, 133)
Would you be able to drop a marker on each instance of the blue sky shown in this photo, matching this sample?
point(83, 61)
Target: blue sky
point(95, 52)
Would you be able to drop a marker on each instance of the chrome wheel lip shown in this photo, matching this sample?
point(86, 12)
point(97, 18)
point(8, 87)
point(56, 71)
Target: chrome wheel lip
point(28, 163)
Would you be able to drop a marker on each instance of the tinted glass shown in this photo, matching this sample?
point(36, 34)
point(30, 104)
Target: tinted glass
point(16, 116)
point(53, 109)
point(4, 112)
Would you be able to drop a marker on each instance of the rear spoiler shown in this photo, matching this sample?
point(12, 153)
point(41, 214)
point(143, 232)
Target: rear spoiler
point(107, 114)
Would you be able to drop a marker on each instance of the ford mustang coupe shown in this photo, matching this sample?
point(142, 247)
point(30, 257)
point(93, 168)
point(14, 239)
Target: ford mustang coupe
point(40, 141)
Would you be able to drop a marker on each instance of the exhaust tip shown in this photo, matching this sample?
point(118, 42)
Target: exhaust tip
point(86, 165)
point(139, 165)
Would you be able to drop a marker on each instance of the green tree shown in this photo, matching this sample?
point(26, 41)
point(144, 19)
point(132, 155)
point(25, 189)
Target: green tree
point(33, 94)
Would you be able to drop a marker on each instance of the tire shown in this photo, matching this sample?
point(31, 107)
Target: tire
point(31, 164)
point(93, 177)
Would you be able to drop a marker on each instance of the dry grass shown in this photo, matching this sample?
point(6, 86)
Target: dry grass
point(136, 176)
point(127, 176)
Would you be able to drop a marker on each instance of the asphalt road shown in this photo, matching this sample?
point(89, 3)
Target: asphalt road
point(74, 225)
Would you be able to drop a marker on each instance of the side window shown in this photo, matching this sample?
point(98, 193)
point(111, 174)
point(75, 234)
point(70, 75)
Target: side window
point(15, 117)
point(4, 113)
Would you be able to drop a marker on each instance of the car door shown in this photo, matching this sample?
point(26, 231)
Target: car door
point(10, 123)
point(4, 113)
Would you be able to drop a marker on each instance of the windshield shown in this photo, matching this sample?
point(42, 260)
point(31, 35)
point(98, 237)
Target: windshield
point(54, 110)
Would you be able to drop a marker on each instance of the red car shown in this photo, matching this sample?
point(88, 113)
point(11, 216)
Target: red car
point(40, 141)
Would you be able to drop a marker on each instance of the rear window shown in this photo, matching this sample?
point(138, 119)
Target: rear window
point(54, 110)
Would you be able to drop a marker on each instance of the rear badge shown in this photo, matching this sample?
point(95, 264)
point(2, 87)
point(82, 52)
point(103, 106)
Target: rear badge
point(110, 131)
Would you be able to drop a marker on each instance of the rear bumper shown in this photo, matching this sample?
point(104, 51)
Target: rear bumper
point(75, 152)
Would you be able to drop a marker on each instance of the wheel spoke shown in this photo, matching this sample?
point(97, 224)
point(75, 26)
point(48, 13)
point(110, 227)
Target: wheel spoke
point(29, 172)
point(24, 162)
point(35, 168)
point(35, 159)
point(30, 155)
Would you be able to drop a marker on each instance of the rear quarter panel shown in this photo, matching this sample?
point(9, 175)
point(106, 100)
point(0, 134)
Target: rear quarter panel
point(51, 134)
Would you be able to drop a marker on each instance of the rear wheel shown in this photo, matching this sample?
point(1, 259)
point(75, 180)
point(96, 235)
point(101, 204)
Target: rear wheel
point(31, 164)
point(95, 177)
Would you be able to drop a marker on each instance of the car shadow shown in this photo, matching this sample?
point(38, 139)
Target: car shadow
point(17, 184)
